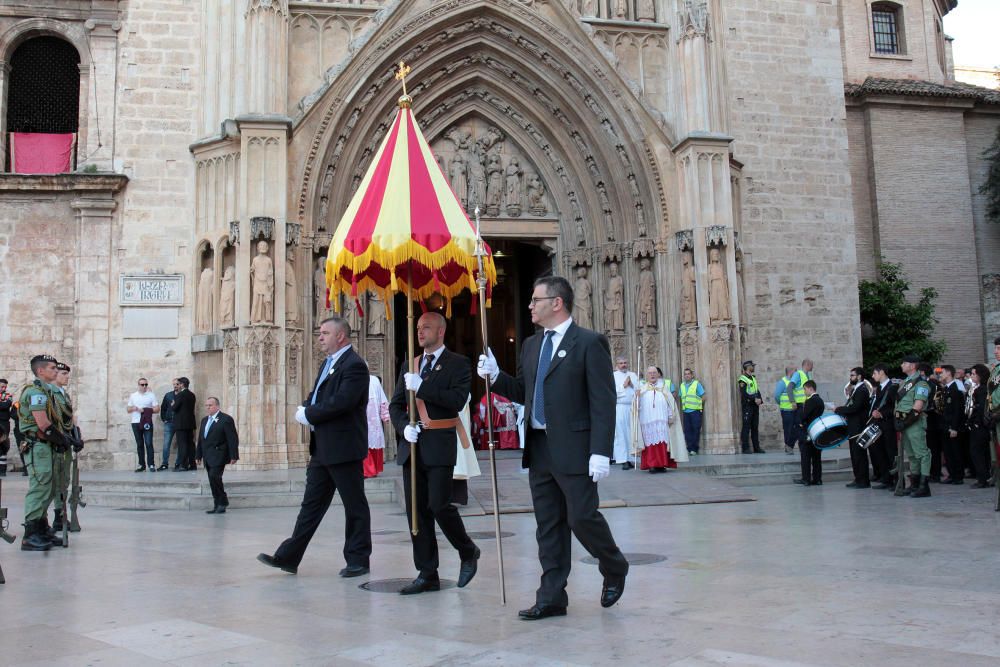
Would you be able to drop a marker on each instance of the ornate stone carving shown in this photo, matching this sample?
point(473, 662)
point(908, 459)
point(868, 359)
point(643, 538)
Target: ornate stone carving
point(643, 248)
point(651, 347)
point(645, 10)
point(231, 350)
point(645, 297)
point(293, 364)
point(349, 311)
point(688, 341)
point(617, 343)
point(205, 311)
point(494, 184)
point(685, 239)
point(375, 356)
point(717, 235)
point(583, 303)
point(536, 195)
point(718, 288)
point(688, 307)
point(610, 252)
point(693, 19)
point(262, 226)
point(269, 357)
point(234, 232)
point(614, 300)
point(227, 298)
point(291, 289)
point(262, 286)
point(512, 187)
point(319, 291)
point(293, 232)
point(376, 315)
point(324, 199)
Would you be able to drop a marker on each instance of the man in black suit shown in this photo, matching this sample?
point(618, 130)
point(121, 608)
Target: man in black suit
point(218, 444)
point(441, 382)
point(809, 454)
point(184, 424)
point(953, 415)
point(564, 380)
point(334, 411)
point(883, 406)
point(856, 412)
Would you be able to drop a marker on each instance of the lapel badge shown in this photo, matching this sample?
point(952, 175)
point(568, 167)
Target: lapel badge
point(561, 354)
point(438, 367)
point(331, 371)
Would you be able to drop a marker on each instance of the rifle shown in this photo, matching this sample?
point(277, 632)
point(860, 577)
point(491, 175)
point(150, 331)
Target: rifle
point(4, 535)
point(75, 496)
point(58, 466)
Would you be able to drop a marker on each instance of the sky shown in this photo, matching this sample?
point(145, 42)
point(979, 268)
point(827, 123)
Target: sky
point(975, 24)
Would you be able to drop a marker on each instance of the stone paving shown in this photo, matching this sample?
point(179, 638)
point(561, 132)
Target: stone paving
point(802, 576)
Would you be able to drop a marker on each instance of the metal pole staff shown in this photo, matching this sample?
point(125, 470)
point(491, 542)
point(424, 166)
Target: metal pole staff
point(414, 527)
point(637, 425)
point(481, 290)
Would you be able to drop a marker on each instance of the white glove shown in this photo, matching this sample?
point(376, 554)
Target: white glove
point(413, 381)
point(411, 433)
point(300, 416)
point(600, 467)
point(488, 367)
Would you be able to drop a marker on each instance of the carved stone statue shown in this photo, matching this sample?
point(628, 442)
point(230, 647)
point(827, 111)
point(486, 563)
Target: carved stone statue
point(351, 314)
point(689, 309)
point(376, 315)
point(620, 8)
point(291, 290)
point(536, 196)
point(512, 191)
point(589, 8)
point(494, 184)
point(319, 290)
point(227, 298)
point(583, 303)
point(645, 10)
point(645, 301)
point(614, 301)
point(262, 289)
point(718, 289)
point(205, 312)
point(459, 179)
point(477, 180)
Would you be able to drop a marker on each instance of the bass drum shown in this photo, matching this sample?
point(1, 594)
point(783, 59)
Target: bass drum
point(828, 431)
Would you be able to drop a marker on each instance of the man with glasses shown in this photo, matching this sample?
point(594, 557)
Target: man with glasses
point(565, 382)
point(142, 405)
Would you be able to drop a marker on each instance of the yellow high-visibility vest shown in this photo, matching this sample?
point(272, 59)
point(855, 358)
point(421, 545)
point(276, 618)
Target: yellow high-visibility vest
point(786, 403)
point(690, 400)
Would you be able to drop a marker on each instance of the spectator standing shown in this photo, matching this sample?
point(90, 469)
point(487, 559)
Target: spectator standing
point(976, 421)
point(784, 396)
point(142, 405)
point(378, 414)
point(184, 424)
point(167, 416)
point(6, 405)
point(953, 414)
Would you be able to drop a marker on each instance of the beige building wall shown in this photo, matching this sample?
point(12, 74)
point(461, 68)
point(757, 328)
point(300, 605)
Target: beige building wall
point(987, 77)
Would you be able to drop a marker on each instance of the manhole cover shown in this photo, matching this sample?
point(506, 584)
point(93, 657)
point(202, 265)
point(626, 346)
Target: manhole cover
point(395, 585)
point(488, 534)
point(633, 559)
point(134, 509)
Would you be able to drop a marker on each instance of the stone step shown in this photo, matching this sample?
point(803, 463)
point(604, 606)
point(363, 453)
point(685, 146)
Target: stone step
point(168, 501)
point(771, 479)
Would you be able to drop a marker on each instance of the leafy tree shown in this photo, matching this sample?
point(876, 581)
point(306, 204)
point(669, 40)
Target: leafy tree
point(893, 327)
point(991, 186)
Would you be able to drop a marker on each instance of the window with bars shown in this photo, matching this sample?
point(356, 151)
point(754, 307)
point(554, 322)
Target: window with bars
point(44, 92)
point(885, 24)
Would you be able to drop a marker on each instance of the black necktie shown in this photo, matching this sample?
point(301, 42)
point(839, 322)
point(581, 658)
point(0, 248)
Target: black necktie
point(426, 369)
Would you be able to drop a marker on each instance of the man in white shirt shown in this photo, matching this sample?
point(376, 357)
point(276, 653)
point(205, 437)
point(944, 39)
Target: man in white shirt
point(142, 405)
point(626, 383)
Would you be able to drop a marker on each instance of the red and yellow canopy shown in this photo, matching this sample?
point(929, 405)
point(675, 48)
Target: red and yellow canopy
point(405, 230)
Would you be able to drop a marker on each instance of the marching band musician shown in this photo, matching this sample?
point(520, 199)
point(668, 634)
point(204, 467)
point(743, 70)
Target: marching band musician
point(856, 411)
point(810, 455)
point(882, 405)
point(976, 420)
point(952, 408)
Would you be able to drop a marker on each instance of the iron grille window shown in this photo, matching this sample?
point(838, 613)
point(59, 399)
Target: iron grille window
point(886, 30)
point(44, 87)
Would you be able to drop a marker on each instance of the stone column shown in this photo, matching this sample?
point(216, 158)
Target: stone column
point(267, 56)
point(223, 77)
point(4, 90)
point(103, 27)
point(94, 292)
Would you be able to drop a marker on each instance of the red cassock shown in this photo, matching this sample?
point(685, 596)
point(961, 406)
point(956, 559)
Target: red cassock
point(504, 424)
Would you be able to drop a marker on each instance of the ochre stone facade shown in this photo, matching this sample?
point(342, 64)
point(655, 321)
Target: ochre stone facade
point(717, 175)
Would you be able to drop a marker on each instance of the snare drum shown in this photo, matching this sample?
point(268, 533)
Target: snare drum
point(869, 436)
point(828, 431)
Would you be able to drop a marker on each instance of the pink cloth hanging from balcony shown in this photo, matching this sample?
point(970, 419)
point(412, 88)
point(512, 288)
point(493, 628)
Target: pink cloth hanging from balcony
point(32, 153)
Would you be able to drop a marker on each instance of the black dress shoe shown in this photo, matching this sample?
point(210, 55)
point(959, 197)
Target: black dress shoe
point(163, 466)
point(141, 469)
point(421, 585)
point(468, 570)
point(612, 590)
point(628, 465)
point(218, 509)
point(801, 481)
point(274, 562)
point(759, 451)
point(540, 611)
point(817, 483)
point(980, 485)
point(354, 571)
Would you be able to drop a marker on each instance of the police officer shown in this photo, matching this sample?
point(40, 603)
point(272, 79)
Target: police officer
point(40, 419)
point(64, 461)
point(911, 422)
point(750, 401)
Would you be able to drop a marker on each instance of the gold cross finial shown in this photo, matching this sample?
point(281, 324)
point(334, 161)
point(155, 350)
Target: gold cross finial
point(401, 73)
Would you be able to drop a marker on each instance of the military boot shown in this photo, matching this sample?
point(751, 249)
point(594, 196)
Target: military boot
point(907, 491)
point(57, 522)
point(33, 539)
point(923, 488)
point(50, 534)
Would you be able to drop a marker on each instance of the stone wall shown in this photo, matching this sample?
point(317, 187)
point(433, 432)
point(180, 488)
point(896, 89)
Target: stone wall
point(861, 194)
point(786, 109)
point(980, 133)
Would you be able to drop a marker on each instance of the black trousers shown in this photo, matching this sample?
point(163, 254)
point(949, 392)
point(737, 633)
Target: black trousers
point(322, 481)
point(185, 448)
point(935, 443)
point(859, 460)
point(881, 462)
point(215, 482)
point(890, 447)
point(954, 460)
point(751, 420)
point(979, 450)
point(811, 459)
point(566, 504)
point(434, 487)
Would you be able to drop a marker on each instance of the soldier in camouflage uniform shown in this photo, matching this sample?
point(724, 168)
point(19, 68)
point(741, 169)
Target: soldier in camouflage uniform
point(911, 422)
point(61, 469)
point(40, 419)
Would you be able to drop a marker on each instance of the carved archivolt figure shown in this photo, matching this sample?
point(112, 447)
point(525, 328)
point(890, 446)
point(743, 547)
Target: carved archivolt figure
point(494, 184)
point(204, 315)
point(689, 309)
point(477, 180)
point(645, 10)
point(227, 298)
point(319, 290)
point(262, 286)
point(583, 303)
point(376, 315)
point(589, 8)
point(291, 290)
point(459, 179)
point(351, 314)
point(718, 289)
point(614, 301)
point(620, 8)
point(536, 196)
point(513, 187)
point(645, 302)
